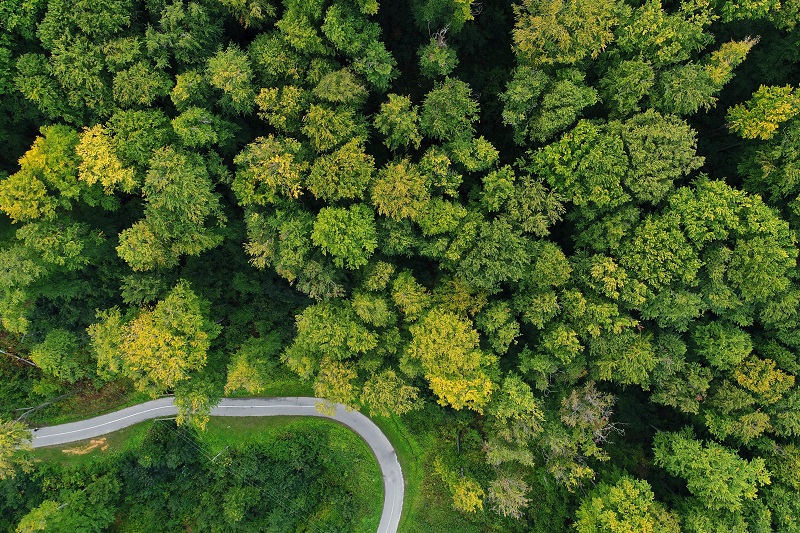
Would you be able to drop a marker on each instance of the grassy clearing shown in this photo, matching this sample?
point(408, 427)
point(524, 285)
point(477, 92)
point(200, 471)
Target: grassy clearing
point(117, 442)
point(427, 504)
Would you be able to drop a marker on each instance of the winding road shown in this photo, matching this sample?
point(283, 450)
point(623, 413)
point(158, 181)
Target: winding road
point(293, 406)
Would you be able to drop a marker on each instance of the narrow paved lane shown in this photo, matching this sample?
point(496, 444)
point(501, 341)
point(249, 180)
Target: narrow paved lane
point(384, 452)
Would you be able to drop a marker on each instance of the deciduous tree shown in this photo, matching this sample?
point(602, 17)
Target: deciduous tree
point(180, 198)
point(446, 348)
point(627, 506)
point(549, 32)
point(159, 347)
point(449, 111)
point(347, 234)
point(14, 448)
point(398, 120)
point(387, 394)
point(342, 175)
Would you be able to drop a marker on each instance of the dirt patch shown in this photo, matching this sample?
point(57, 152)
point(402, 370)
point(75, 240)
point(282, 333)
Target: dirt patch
point(94, 444)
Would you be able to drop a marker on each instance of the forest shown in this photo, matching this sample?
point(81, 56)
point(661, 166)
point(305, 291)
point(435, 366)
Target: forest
point(558, 238)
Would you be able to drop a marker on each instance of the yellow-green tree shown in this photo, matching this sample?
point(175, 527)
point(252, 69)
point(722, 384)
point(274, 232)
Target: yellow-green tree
point(160, 347)
point(13, 448)
point(627, 506)
point(446, 347)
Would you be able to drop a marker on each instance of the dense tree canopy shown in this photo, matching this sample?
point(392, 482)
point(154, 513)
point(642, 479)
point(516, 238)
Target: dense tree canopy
point(562, 231)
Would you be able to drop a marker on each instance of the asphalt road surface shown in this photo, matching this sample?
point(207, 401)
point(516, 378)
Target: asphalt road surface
point(384, 452)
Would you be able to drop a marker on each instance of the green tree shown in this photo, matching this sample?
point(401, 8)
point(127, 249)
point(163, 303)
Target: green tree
point(442, 14)
point(267, 169)
point(449, 111)
point(91, 508)
point(538, 106)
point(353, 34)
point(499, 324)
point(343, 174)
point(586, 166)
point(624, 85)
point(327, 329)
point(249, 368)
point(340, 87)
point(411, 298)
point(191, 88)
point(136, 135)
point(549, 32)
point(275, 60)
point(627, 357)
point(18, 272)
point(230, 72)
point(140, 84)
point(627, 506)
point(446, 348)
point(35, 82)
point(650, 33)
point(508, 496)
point(373, 309)
point(283, 107)
point(77, 65)
point(251, 13)
point(400, 191)
point(661, 150)
point(764, 112)
point(60, 355)
point(716, 475)
point(677, 382)
point(100, 163)
point(187, 33)
point(387, 394)
point(47, 179)
point(398, 120)
point(160, 347)
point(685, 89)
point(14, 449)
point(724, 346)
point(328, 127)
point(282, 240)
point(198, 128)
point(500, 255)
point(334, 383)
point(347, 234)
point(180, 198)
point(515, 420)
point(436, 58)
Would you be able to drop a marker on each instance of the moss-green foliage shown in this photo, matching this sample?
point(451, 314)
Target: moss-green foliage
point(429, 207)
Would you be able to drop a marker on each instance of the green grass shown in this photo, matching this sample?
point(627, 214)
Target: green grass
point(118, 442)
point(427, 504)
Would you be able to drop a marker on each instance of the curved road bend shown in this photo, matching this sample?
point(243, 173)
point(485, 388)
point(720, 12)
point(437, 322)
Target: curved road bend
point(377, 441)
